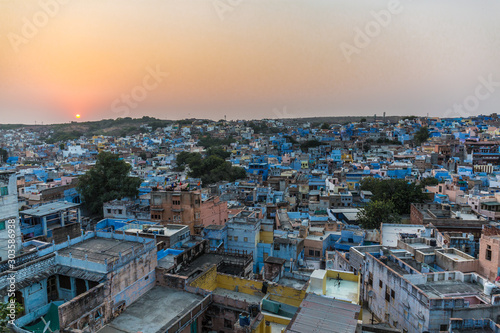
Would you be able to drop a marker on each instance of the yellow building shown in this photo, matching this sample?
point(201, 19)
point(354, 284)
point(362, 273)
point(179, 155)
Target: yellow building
point(347, 157)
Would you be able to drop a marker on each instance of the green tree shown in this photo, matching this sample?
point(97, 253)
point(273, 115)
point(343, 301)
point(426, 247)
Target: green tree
point(108, 180)
point(3, 155)
point(325, 126)
point(398, 191)
point(429, 181)
point(217, 151)
point(185, 158)
point(5, 312)
point(310, 144)
point(377, 212)
point(363, 120)
point(207, 141)
point(421, 136)
point(290, 139)
point(211, 169)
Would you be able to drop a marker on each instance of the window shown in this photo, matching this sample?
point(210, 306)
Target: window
point(120, 211)
point(393, 294)
point(370, 279)
point(277, 246)
point(229, 237)
point(380, 283)
point(176, 202)
point(65, 282)
point(245, 239)
point(311, 252)
point(235, 238)
point(317, 253)
point(4, 190)
point(488, 253)
point(387, 294)
point(228, 324)
point(109, 211)
point(443, 328)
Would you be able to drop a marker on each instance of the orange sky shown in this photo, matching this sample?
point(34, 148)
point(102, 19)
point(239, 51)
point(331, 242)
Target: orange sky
point(255, 57)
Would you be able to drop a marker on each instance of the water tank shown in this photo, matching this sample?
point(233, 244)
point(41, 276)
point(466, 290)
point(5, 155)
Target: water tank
point(471, 237)
point(244, 319)
point(305, 223)
point(488, 288)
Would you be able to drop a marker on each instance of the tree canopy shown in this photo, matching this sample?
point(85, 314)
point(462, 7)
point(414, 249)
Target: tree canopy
point(377, 212)
point(310, 144)
point(397, 191)
point(429, 181)
point(108, 180)
point(3, 155)
point(5, 313)
point(421, 136)
point(211, 169)
point(208, 141)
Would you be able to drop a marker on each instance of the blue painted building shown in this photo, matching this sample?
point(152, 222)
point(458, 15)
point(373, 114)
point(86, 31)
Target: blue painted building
point(243, 233)
point(216, 236)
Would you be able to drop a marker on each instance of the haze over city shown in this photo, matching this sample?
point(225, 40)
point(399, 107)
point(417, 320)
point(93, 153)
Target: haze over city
point(243, 59)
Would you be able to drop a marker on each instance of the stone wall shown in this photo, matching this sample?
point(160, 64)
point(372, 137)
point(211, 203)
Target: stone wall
point(163, 278)
point(60, 234)
point(88, 308)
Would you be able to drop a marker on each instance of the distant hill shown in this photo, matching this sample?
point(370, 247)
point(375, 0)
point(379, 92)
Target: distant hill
point(52, 133)
point(338, 119)
point(114, 127)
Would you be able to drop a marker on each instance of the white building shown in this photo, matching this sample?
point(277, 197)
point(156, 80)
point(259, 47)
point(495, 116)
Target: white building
point(74, 151)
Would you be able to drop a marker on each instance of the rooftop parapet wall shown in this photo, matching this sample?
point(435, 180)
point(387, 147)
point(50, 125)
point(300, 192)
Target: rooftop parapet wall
point(70, 313)
point(460, 324)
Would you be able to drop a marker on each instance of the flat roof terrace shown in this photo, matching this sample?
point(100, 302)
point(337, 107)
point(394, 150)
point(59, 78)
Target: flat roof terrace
point(152, 311)
point(454, 288)
point(101, 250)
point(256, 299)
point(292, 283)
point(337, 288)
point(456, 257)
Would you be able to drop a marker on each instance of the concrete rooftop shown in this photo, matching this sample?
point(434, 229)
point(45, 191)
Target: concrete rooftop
point(238, 295)
point(152, 311)
point(449, 289)
point(100, 249)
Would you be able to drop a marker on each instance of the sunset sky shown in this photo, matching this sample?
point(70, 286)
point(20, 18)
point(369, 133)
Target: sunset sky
point(246, 59)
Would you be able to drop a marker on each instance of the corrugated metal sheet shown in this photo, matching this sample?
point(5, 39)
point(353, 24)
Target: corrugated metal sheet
point(322, 314)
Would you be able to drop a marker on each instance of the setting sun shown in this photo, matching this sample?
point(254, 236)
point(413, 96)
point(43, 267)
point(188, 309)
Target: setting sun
point(77, 116)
